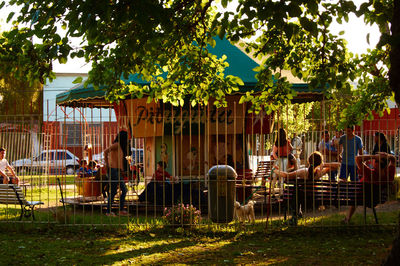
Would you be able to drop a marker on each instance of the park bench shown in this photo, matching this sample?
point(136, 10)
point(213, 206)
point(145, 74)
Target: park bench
point(316, 193)
point(13, 194)
point(263, 171)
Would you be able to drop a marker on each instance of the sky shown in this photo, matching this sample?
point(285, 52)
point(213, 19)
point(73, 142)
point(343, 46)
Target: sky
point(355, 34)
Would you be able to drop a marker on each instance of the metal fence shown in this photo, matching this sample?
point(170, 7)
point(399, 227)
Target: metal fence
point(187, 166)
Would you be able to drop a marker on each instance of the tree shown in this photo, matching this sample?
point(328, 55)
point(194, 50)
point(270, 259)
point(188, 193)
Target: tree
point(296, 36)
point(166, 42)
point(14, 88)
point(29, 98)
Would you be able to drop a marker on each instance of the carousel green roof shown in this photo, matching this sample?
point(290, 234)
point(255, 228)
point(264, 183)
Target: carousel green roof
point(240, 65)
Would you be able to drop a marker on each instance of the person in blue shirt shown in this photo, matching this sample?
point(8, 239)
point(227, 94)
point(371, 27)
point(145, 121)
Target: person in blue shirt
point(83, 170)
point(350, 145)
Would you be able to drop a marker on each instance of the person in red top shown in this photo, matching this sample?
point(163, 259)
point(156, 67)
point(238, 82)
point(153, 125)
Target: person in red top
point(282, 146)
point(160, 188)
point(374, 179)
point(280, 152)
point(161, 174)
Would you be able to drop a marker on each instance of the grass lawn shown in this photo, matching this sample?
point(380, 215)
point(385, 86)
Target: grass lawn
point(212, 245)
point(144, 239)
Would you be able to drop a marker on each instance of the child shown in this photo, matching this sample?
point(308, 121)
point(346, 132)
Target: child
point(160, 184)
point(92, 168)
point(83, 170)
point(160, 174)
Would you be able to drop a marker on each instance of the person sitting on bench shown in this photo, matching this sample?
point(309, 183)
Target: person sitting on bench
point(373, 179)
point(4, 178)
point(316, 169)
point(162, 183)
point(83, 170)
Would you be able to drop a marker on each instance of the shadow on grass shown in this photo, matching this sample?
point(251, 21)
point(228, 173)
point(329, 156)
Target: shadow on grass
point(308, 243)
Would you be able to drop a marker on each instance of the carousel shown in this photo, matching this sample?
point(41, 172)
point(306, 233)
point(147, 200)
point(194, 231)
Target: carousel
point(189, 140)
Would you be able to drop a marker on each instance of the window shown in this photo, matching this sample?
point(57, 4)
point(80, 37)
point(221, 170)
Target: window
point(72, 134)
point(75, 134)
point(137, 155)
point(63, 156)
point(43, 156)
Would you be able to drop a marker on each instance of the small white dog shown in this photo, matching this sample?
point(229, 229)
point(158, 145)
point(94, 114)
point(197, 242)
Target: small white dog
point(246, 212)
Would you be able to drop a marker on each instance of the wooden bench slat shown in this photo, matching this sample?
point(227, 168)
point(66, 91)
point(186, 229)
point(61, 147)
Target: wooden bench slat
point(13, 195)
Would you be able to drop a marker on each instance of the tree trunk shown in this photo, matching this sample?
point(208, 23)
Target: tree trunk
point(394, 71)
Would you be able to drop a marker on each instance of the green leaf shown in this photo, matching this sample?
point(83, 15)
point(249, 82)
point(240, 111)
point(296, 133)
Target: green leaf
point(313, 6)
point(221, 32)
point(10, 16)
point(63, 60)
point(224, 3)
point(77, 80)
point(309, 25)
point(294, 10)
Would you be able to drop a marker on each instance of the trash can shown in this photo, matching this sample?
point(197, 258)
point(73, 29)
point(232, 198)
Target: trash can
point(221, 193)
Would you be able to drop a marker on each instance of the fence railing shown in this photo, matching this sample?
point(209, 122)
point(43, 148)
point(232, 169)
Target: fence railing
point(167, 179)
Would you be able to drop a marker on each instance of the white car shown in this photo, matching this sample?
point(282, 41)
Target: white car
point(48, 159)
point(98, 157)
point(136, 154)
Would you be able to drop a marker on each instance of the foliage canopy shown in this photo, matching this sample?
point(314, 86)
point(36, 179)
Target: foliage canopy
point(166, 43)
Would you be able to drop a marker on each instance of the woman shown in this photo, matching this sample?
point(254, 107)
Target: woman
point(280, 152)
point(381, 144)
point(292, 163)
point(282, 147)
point(316, 169)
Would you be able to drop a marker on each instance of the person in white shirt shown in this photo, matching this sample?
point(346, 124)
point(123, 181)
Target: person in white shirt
point(5, 165)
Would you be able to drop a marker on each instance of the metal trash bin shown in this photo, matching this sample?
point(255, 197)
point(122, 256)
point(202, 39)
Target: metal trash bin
point(221, 191)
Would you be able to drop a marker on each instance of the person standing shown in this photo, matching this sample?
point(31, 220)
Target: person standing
point(297, 145)
point(381, 144)
point(336, 138)
point(329, 152)
point(281, 149)
point(116, 163)
point(280, 152)
point(5, 165)
point(350, 146)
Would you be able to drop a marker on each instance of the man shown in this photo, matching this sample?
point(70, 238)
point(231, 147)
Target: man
point(329, 151)
point(350, 145)
point(374, 179)
point(116, 163)
point(4, 178)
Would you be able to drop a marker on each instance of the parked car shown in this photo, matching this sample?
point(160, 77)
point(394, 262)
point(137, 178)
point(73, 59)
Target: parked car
point(48, 159)
point(98, 157)
point(135, 153)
